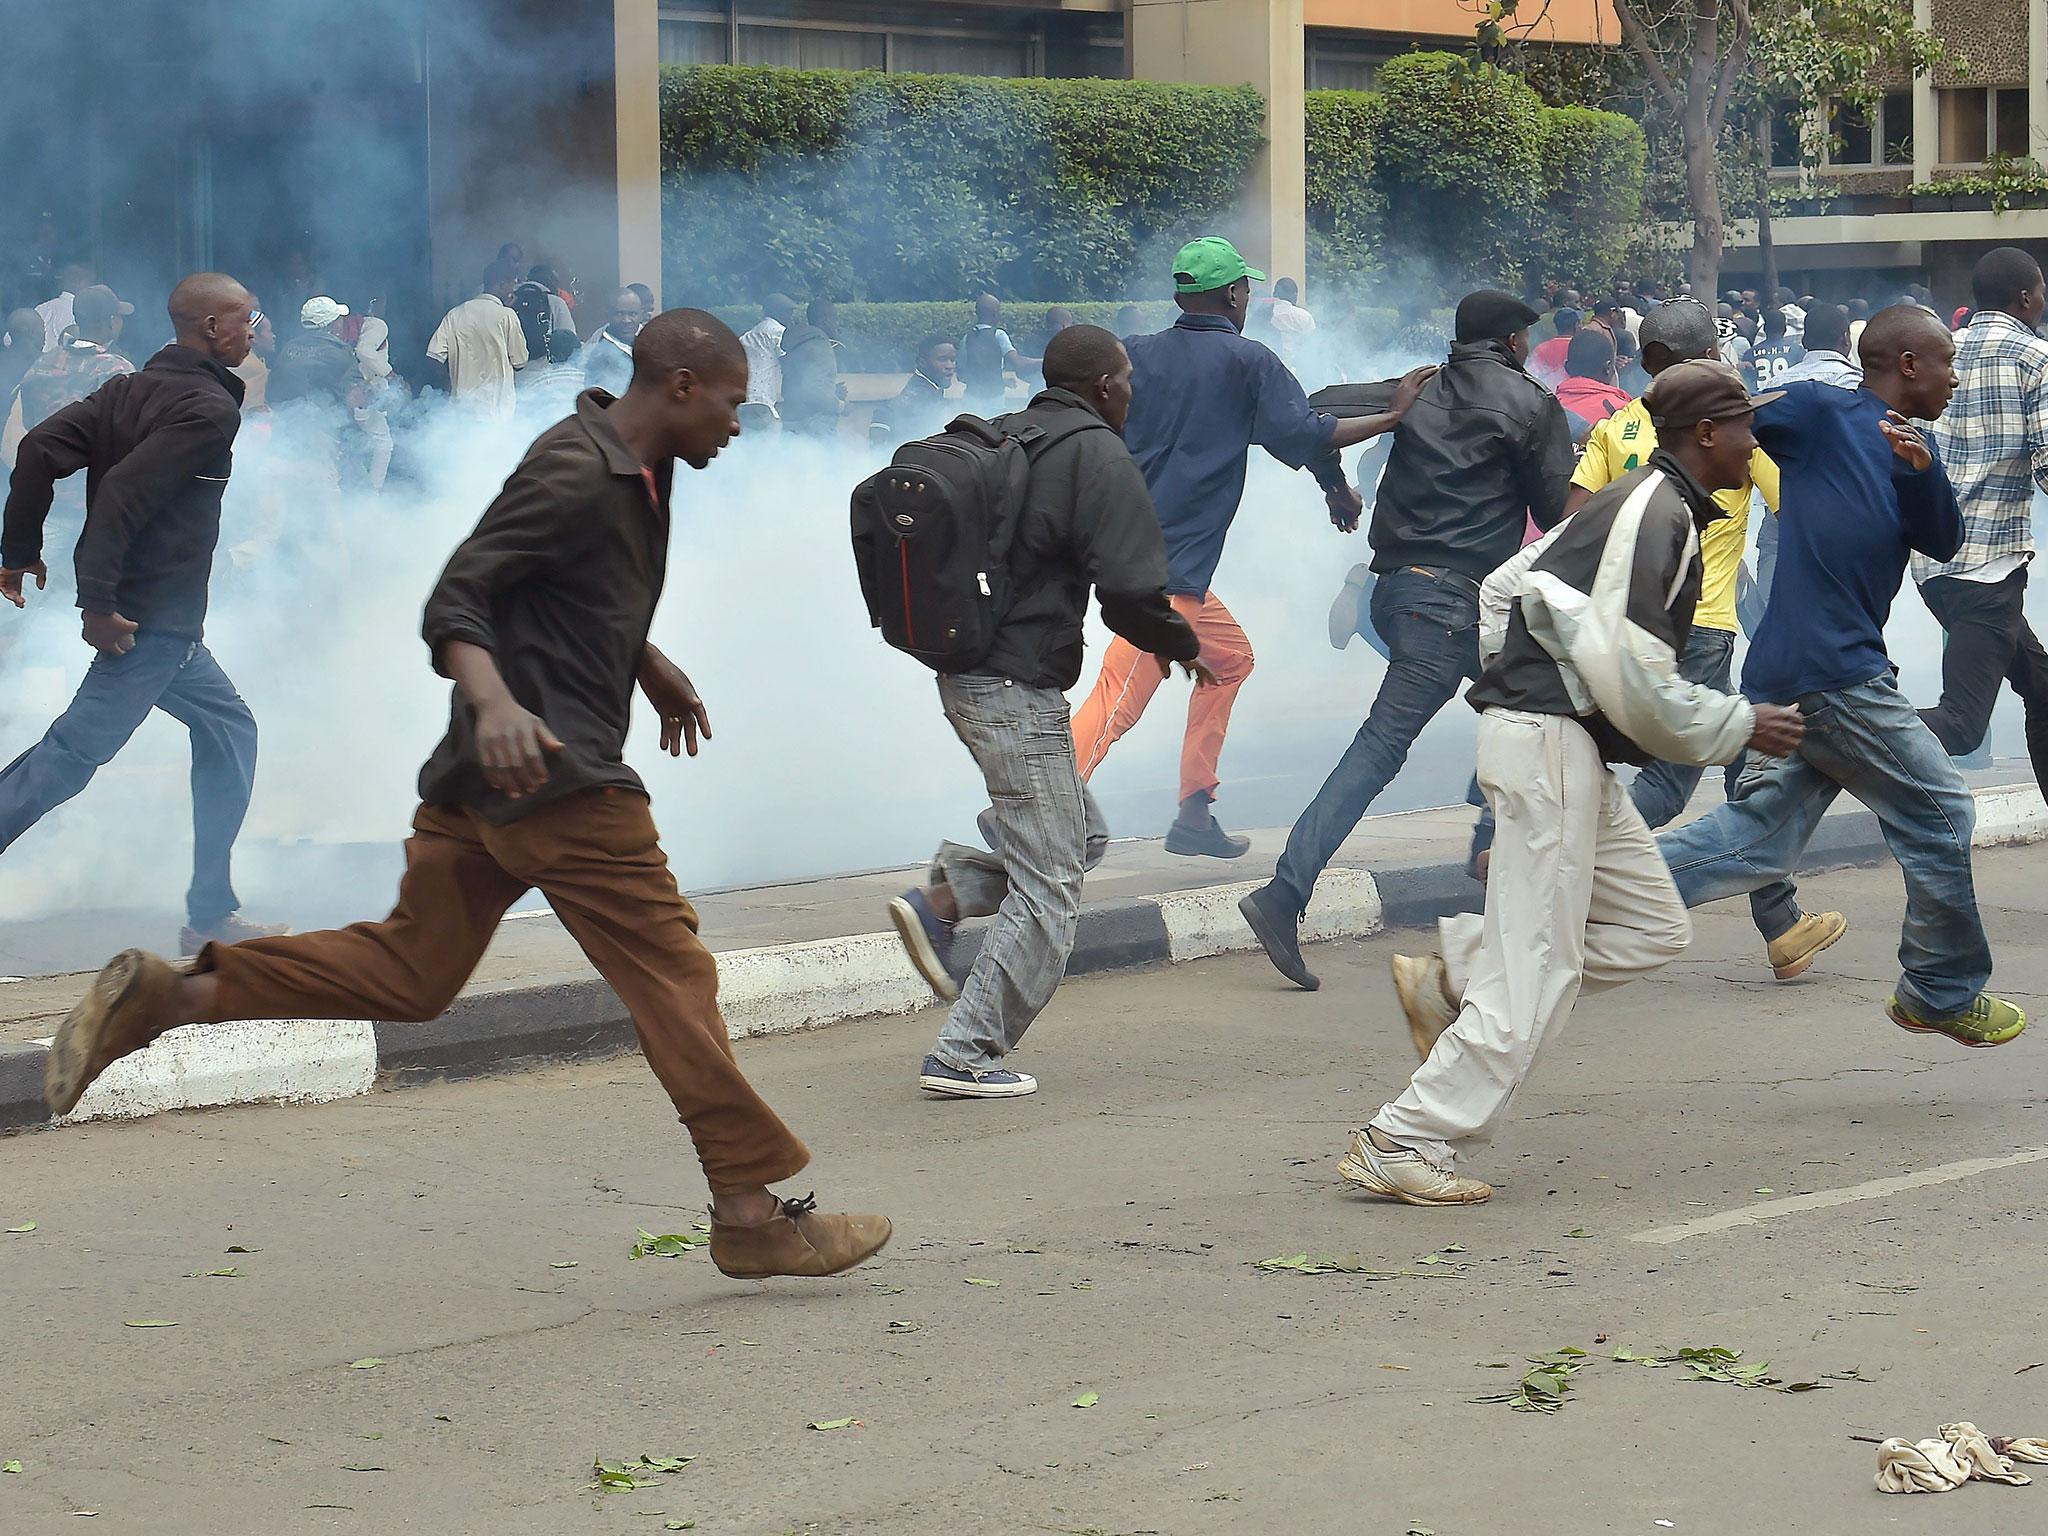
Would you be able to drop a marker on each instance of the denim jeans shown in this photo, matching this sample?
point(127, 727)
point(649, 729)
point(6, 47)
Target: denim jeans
point(1046, 834)
point(1869, 741)
point(181, 678)
point(1430, 622)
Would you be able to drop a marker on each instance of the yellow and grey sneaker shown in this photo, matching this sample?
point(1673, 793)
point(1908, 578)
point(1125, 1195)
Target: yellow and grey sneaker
point(1794, 951)
point(1423, 985)
point(1988, 1021)
point(1406, 1175)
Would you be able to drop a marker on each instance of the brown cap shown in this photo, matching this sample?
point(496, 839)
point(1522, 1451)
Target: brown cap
point(1687, 393)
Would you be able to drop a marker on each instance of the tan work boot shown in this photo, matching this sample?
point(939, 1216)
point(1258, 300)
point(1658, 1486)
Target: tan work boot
point(1795, 950)
point(232, 929)
point(797, 1240)
point(128, 1005)
point(1407, 1176)
point(1423, 984)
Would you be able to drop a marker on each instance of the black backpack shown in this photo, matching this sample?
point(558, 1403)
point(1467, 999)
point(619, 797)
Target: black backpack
point(932, 535)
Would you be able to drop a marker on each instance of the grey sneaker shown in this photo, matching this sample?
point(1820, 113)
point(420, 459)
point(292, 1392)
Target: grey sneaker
point(1424, 987)
point(1407, 1176)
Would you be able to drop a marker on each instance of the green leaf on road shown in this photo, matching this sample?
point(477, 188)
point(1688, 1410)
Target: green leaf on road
point(1578, 1232)
point(679, 1525)
point(562, 1264)
point(26, 1226)
point(367, 1363)
point(902, 1325)
point(149, 1322)
point(663, 1463)
point(668, 1245)
point(230, 1273)
point(10, 1466)
point(362, 1466)
point(613, 1475)
point(977, 1280)
point(1087, 1399)
point(833, 1423)
point(1080, 1285)
point(238, 1248)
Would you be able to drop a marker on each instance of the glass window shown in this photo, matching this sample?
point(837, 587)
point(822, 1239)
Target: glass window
point(1785, 147)
point(1849, 129)
point(1898, 128)
point(2014, 104)
point(811, 48)
point(1965, 125)
point(923, 55)
point(693, 42)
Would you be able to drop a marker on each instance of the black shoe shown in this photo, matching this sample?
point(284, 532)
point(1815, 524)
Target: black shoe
point(1279, 933)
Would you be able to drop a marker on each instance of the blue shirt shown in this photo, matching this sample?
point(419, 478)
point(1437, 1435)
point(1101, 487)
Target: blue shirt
point(1849, 511)
point(1202, 397)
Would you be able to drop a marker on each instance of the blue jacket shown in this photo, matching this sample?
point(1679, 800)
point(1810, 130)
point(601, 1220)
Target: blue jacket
point(1202, 397)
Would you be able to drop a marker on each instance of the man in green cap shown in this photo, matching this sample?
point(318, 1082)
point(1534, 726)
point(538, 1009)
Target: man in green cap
point(1202, 396)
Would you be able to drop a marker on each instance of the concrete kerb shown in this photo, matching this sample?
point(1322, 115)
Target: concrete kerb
point(780, 989)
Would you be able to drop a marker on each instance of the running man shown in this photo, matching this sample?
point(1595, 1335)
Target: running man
point(1867, 491)
point(1085, 521)
point(1202, 396)
point(1583, 632)
point(1994, 444)
point(157, 448)
point(541, 621)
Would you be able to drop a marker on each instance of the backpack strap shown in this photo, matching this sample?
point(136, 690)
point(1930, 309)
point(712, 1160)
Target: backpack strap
point(1034, 439)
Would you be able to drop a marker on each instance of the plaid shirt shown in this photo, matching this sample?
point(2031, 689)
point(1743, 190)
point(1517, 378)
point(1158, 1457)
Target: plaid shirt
point(1993, 439)
point(64, 375)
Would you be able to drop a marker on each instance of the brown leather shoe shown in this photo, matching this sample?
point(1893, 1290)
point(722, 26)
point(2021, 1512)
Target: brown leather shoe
point(797, 1240)
point(128, 1005)
point(232, 929)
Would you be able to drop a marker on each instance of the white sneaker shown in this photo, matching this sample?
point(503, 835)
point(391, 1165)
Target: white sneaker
point(1407, 1176)
point(1424, 987)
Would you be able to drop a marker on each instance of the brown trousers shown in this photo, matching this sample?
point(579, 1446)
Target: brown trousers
point(596, 858)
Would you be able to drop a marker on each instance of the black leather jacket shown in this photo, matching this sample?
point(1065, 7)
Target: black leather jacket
point(1483, 446)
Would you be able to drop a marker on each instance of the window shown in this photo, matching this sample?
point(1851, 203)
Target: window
point(812, 47)
point(926, 55)
point(1337, 63)
point(692, 42)
point(1785, 148)
point(1965, 125)
point(1851, 135)
point(894, 38)
point(1874, 135)
point(1898, 128)
point(2012, 107)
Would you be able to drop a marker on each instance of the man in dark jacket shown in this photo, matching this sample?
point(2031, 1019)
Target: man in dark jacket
point(1481, 449)
point(540, 620)
point(1086, 521)
point(1584, 631)
point(921, 407)
point(811, 391)
point(156, 447)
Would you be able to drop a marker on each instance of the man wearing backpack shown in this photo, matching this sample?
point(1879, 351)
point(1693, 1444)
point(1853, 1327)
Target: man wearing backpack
point(1084, 519)
point(988, 356)
point(1205, 395)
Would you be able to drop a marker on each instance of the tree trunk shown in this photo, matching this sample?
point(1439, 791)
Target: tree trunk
point(1766, 246)
point(1703, 190)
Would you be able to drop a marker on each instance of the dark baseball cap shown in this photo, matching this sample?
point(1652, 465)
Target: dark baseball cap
point(1490, 314)
point(95, 306)
point(1687, 393)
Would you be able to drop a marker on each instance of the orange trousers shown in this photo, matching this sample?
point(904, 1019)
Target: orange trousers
point(596, 858)
point(1130, 678)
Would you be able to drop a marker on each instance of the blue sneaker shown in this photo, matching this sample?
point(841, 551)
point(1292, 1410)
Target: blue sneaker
point(928, 939)
point(952, 1083)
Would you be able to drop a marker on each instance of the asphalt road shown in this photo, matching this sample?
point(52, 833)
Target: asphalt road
point(1189, 1127)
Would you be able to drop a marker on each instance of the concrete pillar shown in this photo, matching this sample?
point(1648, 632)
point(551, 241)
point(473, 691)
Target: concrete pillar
point(2037, 80)
point(1242, 42)
point(1926, 116)
point(636, 43)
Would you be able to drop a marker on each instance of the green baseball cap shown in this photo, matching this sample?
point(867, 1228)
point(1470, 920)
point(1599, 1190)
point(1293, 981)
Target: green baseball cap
point(1210, 263)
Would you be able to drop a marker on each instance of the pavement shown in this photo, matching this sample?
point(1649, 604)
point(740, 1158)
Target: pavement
point(1704, 1159)
point(800, 955)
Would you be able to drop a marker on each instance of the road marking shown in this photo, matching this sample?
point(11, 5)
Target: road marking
point(1820, 1200)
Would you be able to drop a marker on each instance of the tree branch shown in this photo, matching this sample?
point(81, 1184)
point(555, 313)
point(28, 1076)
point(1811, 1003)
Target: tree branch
point(1731, 66)
point(1637, 35)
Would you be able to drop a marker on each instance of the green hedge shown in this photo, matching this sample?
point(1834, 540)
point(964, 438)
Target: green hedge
point(1455, 173)
point(897, 187)
point(883, 338)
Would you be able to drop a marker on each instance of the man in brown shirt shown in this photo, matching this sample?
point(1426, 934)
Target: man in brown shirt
point(541, 620)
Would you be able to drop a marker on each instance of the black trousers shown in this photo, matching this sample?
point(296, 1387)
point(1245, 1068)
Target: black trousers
point(1989, 643)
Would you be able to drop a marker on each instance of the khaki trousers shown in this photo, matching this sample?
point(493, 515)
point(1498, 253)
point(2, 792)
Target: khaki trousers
point(1577, 899)
point(596, 858)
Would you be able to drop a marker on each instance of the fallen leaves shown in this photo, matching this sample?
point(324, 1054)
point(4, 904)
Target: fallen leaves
point(977, 1280)
point(1440, 1263)
point(26, 1226)
point(562, 1264)
point(624, 1476)
point(1544, 1385)
point(1715, 1363)
point(832, 1424)
point(1087, 1400)
point(232, 1272)
point(904, 1325)
point(669, 1245)
point(149, 1322)
point(367, 1363)
point(10, 1466)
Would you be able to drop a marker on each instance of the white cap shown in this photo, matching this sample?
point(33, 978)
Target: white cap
point(321, 312)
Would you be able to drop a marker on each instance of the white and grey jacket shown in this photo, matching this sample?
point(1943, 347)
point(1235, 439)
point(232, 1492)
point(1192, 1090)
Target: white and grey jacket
point(1589, 621)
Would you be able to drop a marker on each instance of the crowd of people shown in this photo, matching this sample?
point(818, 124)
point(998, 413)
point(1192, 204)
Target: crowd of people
point(1574, 554)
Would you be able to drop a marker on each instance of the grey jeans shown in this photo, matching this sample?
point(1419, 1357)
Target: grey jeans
point(1046, 832)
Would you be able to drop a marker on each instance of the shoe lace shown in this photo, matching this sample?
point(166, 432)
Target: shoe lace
point(795, 1208)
